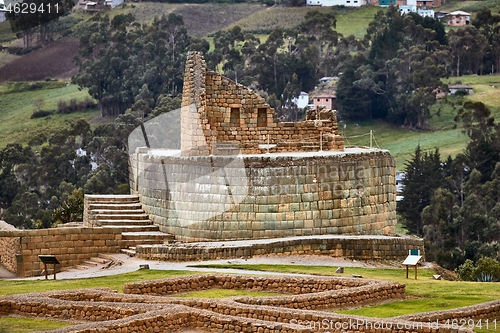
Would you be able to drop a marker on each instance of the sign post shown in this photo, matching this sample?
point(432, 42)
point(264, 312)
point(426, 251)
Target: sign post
point(412, 260)
point(48, 259)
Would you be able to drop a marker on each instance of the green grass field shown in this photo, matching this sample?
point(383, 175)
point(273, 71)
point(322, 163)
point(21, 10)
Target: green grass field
point(17, 107)
point(444, 133)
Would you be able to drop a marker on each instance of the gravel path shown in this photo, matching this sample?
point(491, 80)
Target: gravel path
point(130, 264)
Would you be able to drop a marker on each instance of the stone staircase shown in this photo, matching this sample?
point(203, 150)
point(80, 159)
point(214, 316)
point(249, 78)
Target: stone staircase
point(124, 212)
point(102, 261)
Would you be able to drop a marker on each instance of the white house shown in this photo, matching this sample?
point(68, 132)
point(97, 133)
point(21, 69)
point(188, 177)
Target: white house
point(302, 101)
point(2, 11)
point(407, 9)
point(426, 13)
point(330, 3)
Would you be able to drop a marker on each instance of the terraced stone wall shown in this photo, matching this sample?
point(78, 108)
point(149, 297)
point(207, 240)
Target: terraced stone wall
point(353, 247)
point(71, 246)
point(267, 196)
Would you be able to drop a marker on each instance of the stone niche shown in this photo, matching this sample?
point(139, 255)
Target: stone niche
point(240, 174)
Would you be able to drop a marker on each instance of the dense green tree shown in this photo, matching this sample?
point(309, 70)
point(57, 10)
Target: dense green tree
point(424, 174)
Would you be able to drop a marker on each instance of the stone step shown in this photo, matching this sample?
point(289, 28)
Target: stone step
point(135, 228)
point(142, 216)
point(89, 263)
point(115, 206)
point(80, 267)
point(117, 211)
point(99, 260)
point(130, 252)
point(106, 256)
point(111, 199)
point(123, 222)
point(148, 235)
point(127, 243)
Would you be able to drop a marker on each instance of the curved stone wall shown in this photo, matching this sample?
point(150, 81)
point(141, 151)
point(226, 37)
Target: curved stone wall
point(268, 195)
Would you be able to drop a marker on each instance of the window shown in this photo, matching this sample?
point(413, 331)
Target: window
point(317, 100)
point(327, 99)
point(262, 117)
point(235, 117)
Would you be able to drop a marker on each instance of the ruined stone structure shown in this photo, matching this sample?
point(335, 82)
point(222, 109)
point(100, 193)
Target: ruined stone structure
point(240, 174)
point(219, 112)
point(148, 306)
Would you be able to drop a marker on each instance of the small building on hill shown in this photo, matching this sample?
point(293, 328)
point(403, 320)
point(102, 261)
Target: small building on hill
point(458, 18)
point(302, 101)
point(456, 87)
point(328, 101)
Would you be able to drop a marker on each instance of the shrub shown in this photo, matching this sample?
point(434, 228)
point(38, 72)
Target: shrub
point(40, 114)
point(485, 270)
point(466, 270)
point(62, 106)
point(461, 92)
point(73, 105)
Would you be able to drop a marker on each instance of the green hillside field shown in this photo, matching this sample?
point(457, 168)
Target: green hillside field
point(17, 107)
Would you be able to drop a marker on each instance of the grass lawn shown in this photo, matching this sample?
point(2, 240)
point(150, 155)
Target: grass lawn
point(115, 282)
point(356, 22)
point(17, 107)
point(401, 142)
point(27, 325)
point(426, 294)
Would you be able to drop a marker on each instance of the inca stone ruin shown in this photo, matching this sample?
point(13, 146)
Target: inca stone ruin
point(240, 174)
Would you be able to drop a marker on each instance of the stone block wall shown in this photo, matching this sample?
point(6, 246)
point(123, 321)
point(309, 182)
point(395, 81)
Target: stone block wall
point(354, 247)
point(10, 246)
point(71, 246)
point(307, 293)
point(217, 110)
point(267, 196)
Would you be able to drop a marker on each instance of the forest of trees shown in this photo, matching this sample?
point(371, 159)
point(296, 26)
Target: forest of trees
point(134, 71)
point(455, 204)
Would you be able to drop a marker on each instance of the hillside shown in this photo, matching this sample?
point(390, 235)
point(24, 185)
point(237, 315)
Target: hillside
point(52, 61)
point(444, 133)
point(17, 107)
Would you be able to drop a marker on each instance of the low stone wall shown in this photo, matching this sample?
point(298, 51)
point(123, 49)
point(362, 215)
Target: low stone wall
point(353, 247)
point(464, 316)
point(71, 246)
point(10, 246)
point(308, 293)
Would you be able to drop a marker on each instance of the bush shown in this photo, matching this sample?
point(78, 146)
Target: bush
point(40, 114)
point(461, 92)
point(74, 105)
point(485, 270)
